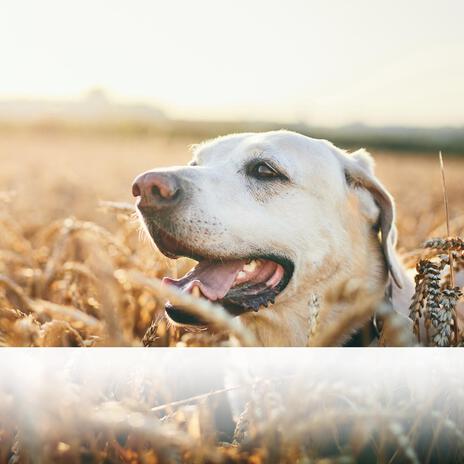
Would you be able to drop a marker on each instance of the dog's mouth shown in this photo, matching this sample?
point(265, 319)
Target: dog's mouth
point(239, 284)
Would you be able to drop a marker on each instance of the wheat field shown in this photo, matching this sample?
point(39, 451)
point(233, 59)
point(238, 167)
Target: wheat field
point(74, 268)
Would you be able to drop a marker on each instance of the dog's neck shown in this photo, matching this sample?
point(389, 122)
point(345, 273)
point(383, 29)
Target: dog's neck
point(297, 322)
point(323, 301)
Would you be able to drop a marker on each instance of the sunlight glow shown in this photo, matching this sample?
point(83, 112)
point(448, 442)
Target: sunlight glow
point(326, 63)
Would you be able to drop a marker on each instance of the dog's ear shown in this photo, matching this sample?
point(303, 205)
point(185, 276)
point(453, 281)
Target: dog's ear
point(359, 173)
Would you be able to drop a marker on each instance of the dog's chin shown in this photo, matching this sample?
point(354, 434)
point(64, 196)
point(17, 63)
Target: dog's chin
point(239, 283)
point(179, 316)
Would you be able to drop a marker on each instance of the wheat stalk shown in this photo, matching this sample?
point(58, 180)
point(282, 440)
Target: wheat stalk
point(448, 234)
point(353, 294)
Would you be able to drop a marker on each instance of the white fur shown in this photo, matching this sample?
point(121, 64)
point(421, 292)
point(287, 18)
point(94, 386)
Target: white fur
point(324, 224)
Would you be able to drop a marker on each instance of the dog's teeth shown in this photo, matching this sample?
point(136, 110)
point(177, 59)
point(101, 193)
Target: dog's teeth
point(241, 275)
point(196, 292)
point(251, 266)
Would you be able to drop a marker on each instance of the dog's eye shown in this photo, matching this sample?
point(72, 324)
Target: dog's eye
point(263, 170)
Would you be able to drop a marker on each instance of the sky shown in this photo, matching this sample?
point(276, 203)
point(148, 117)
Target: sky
point(330, 62)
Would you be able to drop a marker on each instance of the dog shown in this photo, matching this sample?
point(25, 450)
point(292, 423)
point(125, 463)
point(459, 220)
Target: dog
point(277, 221)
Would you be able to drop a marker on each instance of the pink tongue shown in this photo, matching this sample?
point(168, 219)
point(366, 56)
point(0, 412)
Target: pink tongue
point(213, 278)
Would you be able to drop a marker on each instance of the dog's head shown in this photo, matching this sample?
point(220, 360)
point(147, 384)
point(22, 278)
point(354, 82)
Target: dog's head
point(259, 212)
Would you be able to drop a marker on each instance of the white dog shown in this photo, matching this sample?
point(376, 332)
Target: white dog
point(277, 221)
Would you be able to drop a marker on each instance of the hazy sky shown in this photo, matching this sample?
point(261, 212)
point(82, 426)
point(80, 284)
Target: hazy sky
point(325, 62)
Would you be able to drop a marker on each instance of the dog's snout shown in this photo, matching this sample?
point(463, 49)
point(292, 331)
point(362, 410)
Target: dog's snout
point(157, 190)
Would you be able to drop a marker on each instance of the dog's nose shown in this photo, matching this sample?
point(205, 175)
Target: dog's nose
point(156, 190)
